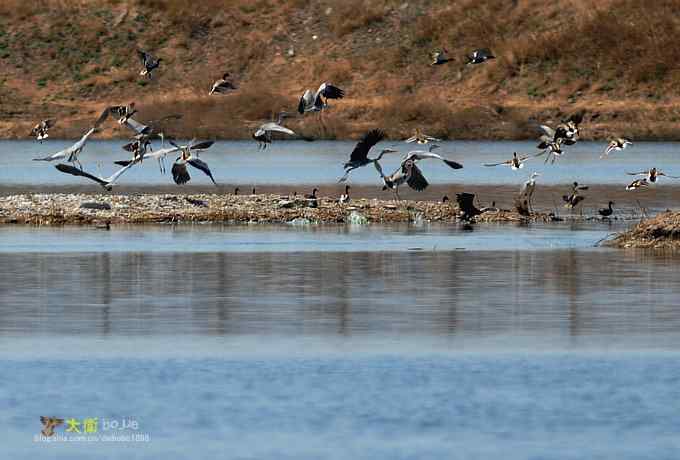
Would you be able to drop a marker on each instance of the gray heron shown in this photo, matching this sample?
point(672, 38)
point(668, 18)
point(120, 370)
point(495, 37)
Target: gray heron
point(106, 183)
point(180, 174)
point(314, 102)
point(359, 156)
point(263, 134)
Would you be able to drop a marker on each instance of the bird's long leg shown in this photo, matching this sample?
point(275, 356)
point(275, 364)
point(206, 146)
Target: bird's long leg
point(396, 193)
point(344, 178)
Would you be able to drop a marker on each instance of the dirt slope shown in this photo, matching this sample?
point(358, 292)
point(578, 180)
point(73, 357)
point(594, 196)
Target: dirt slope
point(618, 59)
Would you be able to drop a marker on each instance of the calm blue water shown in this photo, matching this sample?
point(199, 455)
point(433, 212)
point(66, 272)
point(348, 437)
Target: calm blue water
point(299, 162)
point(270, 342)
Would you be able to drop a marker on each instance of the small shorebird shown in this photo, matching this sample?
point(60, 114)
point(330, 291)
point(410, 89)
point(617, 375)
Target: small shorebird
point(421, 138)
point(573, 199)
point(439, 57)
point(107, 183)
point(652, 175)
point(149, 62)
point(515, 162)
point(223, 85)
point(40, 130)
point(479, 56)
point(619, 143)
point(71, 154)
point(314, 102)
point(344, 198)
point(637, 183)
point(263, 134)
point(359, 156)
point(608, 211)
point(180, 174)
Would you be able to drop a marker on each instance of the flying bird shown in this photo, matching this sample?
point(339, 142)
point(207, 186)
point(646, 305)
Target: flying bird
point(652, 175)
point(263, 134)
point(421, 138)
point(637, 183)
point(515, 162)
point(71, 153)
point(149, 62)
point(619, 143)
point(468, 210)
point(107, 183)
point(440, 57)
point(223, 85)
point(314, 102)
point(551, 147)
point(180, 174)
point(40, 131)
point(418, 155)
point(479, 56)
point(573, 199)
point(359, 156)
point(408, 173)
point(123, 112)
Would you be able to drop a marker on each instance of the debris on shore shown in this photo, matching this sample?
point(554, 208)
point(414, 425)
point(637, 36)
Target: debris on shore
point(659, 232)
point(94, 209)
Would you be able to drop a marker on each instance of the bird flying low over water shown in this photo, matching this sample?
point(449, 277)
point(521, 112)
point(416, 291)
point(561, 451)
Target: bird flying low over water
point(409, 173)
point(515, 162)
point(223, 85)
point(180, 174)
point(637, 183)
point(359, 156)
point(107, 183)
point(468, 210)
point(652, 175)
point(421, 138)
point(608, 211)
point(553, 148)
point(123, 112)
point(440, 57)
point(479, 56)
point(314, 102)
point(263, 134)
point(573, 199)
point(619, 143)
point(40, 131)
point(149, 62)
point(71, 153)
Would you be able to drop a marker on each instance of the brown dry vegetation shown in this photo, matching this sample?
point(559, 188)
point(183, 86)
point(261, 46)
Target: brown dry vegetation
point(616, 58)
point(660, 232)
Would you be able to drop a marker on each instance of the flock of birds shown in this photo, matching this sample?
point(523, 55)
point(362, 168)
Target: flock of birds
point(551, 143)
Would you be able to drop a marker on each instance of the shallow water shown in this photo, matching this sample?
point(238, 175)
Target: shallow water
point(320, 162)
point(401, 341)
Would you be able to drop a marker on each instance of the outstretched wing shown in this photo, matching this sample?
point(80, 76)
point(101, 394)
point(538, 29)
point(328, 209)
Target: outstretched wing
point(498, 164)
point(143, 56)
point(360, 152)
point(416, 180)
point(203, 166)
point(548, 131)
point(331, 92)
point(201, 145)
point(72, 170)
point(271, 126)
point(421, 155)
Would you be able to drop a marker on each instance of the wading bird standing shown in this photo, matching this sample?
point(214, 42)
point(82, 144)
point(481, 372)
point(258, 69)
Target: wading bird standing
point(515, 162)
point(314, 102)
point(344, 198)
point(223, 85)
point(359, 156)
point(149, 62)
point(526, 193)
point(263, 134)
point(40, 131)
point(619, 143)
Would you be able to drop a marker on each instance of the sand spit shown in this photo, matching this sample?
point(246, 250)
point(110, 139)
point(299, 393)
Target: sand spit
point(96, 209)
